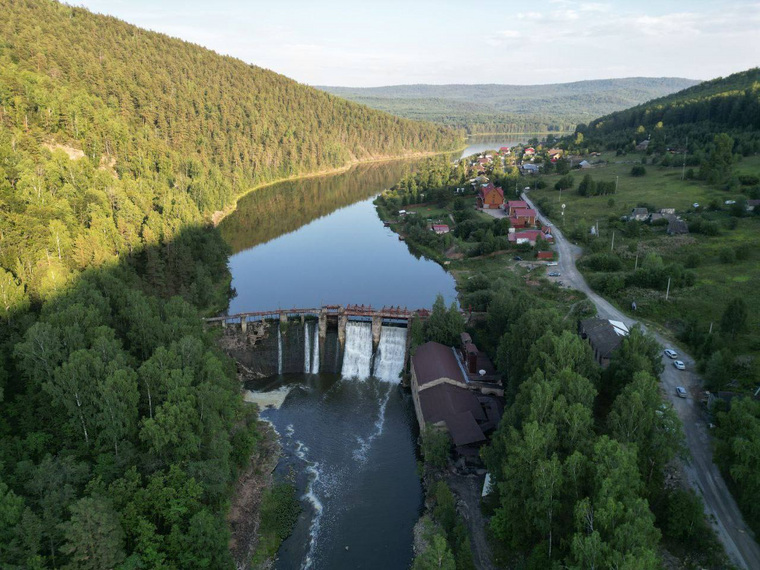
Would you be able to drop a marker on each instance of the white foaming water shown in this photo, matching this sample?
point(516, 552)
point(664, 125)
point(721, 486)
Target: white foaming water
point(315, 350)
point(360, 453)
point(389, 361)
point(279, 350)
point(357, 357)
point(306, 349)
point(315, 474)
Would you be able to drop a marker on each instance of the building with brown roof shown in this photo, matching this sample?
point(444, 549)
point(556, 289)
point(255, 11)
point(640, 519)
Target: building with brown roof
point(445, 397)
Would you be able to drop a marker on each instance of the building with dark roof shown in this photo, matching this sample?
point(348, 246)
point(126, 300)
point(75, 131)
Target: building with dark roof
point(445, 397)
point(604, 336)
point(676, 227)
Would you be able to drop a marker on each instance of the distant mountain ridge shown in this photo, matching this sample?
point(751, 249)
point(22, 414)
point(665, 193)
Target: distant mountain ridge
point(516, 108)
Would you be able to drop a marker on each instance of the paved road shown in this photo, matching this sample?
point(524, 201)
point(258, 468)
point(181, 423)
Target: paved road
point(701, 472)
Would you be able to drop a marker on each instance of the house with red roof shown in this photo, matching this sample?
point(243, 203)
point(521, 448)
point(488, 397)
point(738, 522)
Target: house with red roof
point(530, 151)
point(512, 205)
point(441, 229)
point(505, 150)
point(523, 217)
point(490, 197)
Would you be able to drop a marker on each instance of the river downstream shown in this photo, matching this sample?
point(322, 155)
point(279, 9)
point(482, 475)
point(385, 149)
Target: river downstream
point(347, 428)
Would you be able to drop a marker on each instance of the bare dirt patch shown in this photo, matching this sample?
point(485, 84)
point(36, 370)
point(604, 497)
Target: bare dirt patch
point(73, 153)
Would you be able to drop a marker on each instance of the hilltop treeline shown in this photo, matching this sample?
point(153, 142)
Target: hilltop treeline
point(167, 133)
point(122, 429)
point(730, 104)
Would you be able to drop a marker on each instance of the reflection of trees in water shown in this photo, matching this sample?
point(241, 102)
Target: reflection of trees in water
point(282, 208)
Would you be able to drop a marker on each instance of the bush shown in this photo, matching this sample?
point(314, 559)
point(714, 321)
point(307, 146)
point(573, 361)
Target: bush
point(435, 447)
point(602, 262)
point(638, 170)
point(607, 283)
point(564, 183)
point(727, 255)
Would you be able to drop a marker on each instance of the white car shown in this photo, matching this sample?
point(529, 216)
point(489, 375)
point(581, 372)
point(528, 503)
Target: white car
point(681, 392)
point(679, 364)
point(670, 353)
point(552, 264)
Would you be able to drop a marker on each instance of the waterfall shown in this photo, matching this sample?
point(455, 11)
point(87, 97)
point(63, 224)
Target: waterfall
point(389, 361)
point(306, 349)
point(357, 357)
point(279, 350)
point(315, 349)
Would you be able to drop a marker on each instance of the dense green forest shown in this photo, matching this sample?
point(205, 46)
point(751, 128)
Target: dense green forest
point(513, 108)
point(730, 104)
point(122, 429)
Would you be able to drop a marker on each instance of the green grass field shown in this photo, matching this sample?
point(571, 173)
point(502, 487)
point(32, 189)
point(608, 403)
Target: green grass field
point(661, 187)
point(720, 276)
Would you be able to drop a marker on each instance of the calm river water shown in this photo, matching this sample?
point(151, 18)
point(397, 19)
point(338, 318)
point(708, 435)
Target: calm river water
point(349, 444)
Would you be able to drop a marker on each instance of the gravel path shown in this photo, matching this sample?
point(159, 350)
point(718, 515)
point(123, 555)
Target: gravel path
point(702, 473)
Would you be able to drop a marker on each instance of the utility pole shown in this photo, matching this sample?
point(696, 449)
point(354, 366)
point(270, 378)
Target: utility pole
point(683, 169)
point(617, 178)
point(637, 262)
point(612, 247)
point(710, 332)
point(667, 293)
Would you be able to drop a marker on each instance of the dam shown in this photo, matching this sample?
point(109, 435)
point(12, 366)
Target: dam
point(355, 341)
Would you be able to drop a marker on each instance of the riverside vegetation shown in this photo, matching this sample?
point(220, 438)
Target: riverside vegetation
point(580, 459)
point(122, 428)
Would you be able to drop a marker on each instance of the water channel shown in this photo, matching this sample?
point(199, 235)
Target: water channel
point(348, 432)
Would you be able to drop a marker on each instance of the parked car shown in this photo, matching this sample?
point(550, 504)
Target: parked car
point(679, 364)
point(517, 258)
point(552, 264)
point(669, 352)
point(555, 274)
point(681, 391)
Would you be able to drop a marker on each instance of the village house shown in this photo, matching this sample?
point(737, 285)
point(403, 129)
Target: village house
point(511, 205)
point(584, 164)
point(528, 236)
point(529, 168)
point(554, 154)
point(530, 151)
point(523, 218)
point(441, 229)
point(643, 145)
point(545, 255)
point(490, 197)
point(604, 336)
point(445, 397)
point(639, 214)
point(505, 151)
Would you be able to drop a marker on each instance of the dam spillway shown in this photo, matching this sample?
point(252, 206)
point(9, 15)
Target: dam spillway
point(357, 348)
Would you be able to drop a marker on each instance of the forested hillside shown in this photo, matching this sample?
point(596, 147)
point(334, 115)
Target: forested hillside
point(121, 425)
point(730, 104)
point(513, 108)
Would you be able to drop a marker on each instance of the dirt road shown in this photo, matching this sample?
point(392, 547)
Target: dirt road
point(703, 475)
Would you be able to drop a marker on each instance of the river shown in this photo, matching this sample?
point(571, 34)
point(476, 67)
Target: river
point(349, 443)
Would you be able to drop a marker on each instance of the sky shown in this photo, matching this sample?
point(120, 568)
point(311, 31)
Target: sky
point(368, 43)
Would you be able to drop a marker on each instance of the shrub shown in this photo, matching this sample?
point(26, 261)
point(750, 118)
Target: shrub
point(603, 262)
point(727, 255)
point(638, 170)
point(435, 447)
